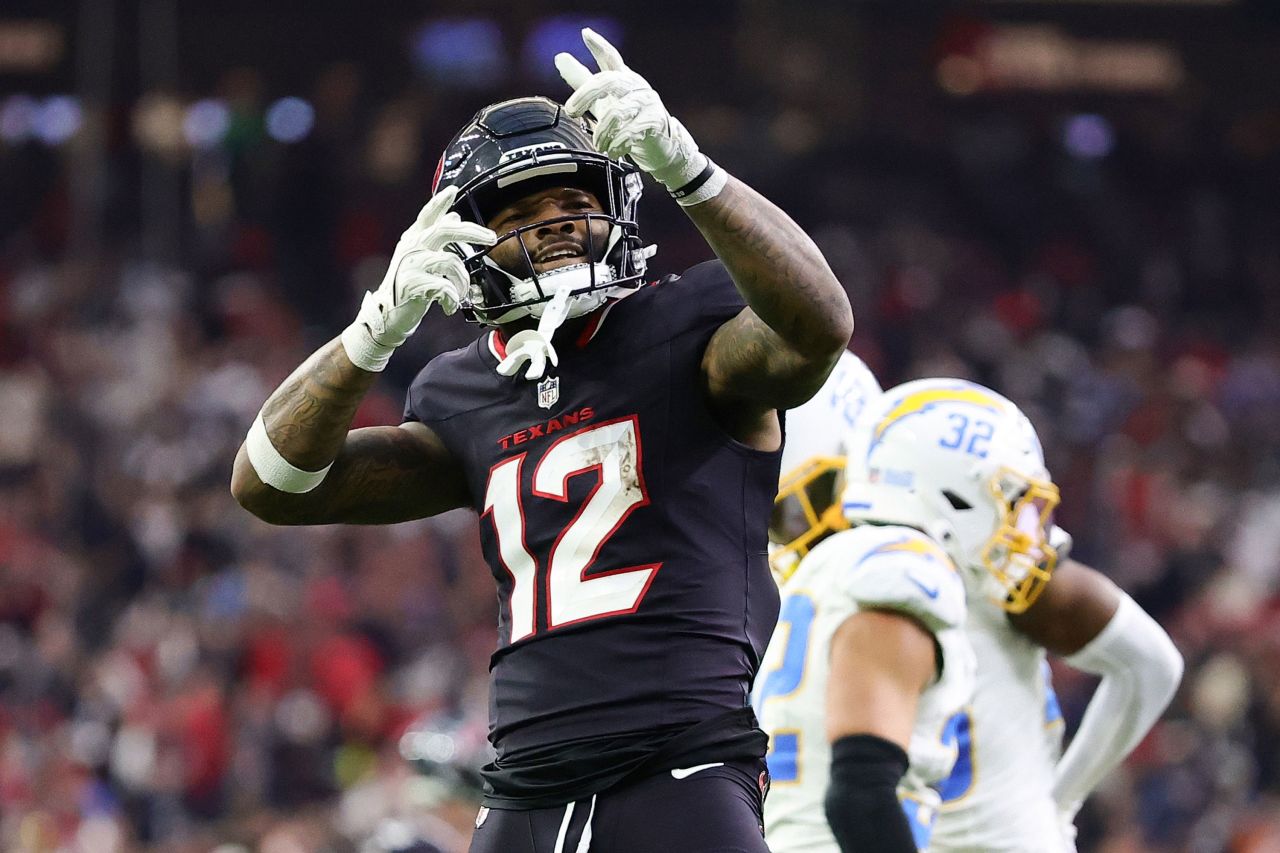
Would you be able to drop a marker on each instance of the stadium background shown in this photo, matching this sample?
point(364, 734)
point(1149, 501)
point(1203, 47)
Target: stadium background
point(1075, 202)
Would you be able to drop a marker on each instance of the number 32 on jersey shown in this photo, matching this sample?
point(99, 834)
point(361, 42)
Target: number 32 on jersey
point(612, 451)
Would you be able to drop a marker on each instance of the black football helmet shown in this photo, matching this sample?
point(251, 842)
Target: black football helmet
point(518, 147)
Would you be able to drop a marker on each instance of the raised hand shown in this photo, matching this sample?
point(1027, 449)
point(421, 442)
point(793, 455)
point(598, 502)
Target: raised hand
point(422, 273)
point(631, 119)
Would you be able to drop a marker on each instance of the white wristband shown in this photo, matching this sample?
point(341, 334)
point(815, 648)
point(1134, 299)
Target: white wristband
point(363, 351)
point(707, 191)
point(273, 469)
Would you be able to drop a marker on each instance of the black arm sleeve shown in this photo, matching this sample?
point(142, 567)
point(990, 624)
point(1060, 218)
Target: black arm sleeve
point(862, 799)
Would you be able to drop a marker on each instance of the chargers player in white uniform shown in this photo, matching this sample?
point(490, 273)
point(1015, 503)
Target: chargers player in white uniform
point(869, 660)
point(959, 460)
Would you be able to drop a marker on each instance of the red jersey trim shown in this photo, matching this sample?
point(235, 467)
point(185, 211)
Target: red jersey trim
point(594, 323)
point(497, 346)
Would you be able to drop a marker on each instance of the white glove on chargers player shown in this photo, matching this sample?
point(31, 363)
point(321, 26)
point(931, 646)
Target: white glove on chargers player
point(421, 274)
point(631, 121)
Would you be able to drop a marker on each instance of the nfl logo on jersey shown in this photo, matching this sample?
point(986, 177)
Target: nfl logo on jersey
point(548, 391)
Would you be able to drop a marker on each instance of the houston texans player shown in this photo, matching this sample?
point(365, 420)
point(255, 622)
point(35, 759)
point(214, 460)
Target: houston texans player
point(620, 442)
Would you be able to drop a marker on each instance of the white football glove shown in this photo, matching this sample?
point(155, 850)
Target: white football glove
point(420, 275)
point(631, 120)
point(1067, 830)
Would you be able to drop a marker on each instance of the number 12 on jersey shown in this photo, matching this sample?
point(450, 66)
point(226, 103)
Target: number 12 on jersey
point(612, 450)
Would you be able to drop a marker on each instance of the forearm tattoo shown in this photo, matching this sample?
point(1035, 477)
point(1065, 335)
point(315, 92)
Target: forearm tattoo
point(779, 352)
point(380, 474)
point(308, 416)
point(778, 268)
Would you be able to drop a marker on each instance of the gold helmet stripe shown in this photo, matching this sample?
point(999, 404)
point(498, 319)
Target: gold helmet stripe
point(920, 401)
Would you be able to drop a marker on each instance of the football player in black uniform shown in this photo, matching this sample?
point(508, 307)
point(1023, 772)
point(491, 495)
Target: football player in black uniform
point(619, 439)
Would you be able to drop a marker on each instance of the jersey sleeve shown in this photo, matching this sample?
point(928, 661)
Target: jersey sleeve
point(409, 413)
point(416, 405)
point(443, 387)
point(911, 574)
point(701, 299)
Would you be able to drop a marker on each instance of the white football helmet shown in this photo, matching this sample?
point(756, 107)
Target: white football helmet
point(963, 464)
point(807, 505)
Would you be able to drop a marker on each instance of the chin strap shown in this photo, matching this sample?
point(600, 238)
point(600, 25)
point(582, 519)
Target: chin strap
point(640, 257)
point(534, 345)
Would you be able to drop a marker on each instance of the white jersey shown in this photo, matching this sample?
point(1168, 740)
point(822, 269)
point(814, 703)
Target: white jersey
point(895, 568)
point(999, 797)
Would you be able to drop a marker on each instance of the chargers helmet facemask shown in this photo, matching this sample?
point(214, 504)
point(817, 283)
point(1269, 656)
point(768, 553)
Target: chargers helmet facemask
point(512, 149)
point(964, 465)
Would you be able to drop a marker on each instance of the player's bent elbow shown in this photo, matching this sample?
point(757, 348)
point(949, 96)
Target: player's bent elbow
point(795, 375)
point(820, 348)
point(265, 505)
point(825, 342)
point(249, 497)
point(842, 331)
point(1157, 664)
point(243, 481)
point(1139, 653)
point(1168, 669)
point(253, 495)
point(839, 318)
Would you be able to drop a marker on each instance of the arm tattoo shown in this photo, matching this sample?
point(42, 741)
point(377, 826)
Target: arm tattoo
point(746, 361)
point(380, 475)
point(799, 319)
point(308, 416)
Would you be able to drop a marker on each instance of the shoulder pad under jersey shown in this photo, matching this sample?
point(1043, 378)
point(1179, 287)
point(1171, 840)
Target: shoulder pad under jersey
point(704, 290)
point(898, 568)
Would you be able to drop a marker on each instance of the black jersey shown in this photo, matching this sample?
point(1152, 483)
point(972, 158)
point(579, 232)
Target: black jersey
point(627, 534)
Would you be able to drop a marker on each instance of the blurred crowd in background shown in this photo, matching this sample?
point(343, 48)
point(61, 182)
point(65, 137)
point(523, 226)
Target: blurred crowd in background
point(1077, 206)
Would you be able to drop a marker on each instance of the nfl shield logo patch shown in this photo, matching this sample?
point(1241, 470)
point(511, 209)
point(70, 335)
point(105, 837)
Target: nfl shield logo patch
point(548, 391)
